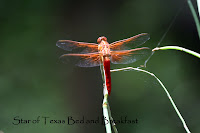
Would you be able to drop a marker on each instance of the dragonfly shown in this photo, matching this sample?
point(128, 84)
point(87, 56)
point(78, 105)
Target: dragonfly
point(103, 53)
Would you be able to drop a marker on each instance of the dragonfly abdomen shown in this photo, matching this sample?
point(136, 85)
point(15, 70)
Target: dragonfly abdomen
point(106, 65)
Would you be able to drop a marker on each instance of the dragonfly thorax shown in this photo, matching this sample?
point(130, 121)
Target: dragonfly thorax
point(104, 48)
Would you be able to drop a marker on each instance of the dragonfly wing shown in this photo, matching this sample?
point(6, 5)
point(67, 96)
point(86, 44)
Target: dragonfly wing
point(132, 42)
point(82, 60)
point(129, 56)
point(68, 45)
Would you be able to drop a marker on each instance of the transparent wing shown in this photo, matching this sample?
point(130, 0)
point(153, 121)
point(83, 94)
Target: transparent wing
point(131, 42)
point(82, 60)
point(129, 56)
point(69, 45)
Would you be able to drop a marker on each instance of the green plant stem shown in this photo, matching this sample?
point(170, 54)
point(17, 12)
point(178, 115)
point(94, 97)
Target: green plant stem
point(198, 5)
point(178, 48)
point(194, 16)
point(106, 114)
point(168, 95)
point(113, 124)
point(105, 105)
point(102, 72)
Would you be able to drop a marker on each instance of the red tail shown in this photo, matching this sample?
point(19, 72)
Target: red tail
point(106, 65)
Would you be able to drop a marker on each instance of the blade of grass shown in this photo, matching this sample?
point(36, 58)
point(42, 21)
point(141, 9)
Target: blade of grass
point(198, 5)
point(165, 89)
point(178, 48)
point(194, 16)
point(163, 36)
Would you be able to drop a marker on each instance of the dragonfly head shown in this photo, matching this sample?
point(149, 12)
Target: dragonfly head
point(101, 38)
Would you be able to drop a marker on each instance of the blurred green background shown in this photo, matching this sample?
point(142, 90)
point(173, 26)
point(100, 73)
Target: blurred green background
point(33, 81)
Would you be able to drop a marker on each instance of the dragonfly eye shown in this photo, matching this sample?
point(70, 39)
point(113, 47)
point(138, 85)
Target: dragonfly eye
point(101, 38)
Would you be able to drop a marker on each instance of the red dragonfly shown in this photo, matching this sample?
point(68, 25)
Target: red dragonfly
point(104, 53)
